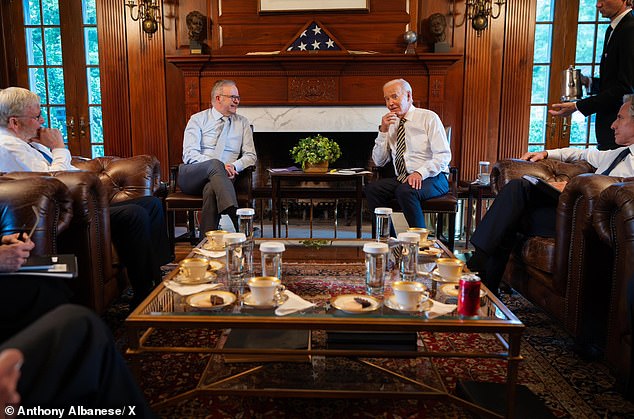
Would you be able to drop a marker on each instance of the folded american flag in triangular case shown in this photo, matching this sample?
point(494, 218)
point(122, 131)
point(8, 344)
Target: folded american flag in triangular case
point(314, 37)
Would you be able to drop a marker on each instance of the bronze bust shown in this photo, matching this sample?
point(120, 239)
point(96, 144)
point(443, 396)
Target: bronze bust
point(195, 31)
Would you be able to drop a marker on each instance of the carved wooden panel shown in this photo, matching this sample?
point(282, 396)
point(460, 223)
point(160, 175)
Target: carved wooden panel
point(311, 90)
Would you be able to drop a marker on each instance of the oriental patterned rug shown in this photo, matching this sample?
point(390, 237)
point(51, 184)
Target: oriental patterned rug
point(568, 386)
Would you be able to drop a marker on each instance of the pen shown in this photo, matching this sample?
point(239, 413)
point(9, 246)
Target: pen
point(22, 232)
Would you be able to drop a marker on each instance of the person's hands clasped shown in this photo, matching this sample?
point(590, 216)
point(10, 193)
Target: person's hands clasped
point(231, 170)
point(534, 155)
point(49, 137)
point(14, 252)
point(387, 120)
point(415, 180)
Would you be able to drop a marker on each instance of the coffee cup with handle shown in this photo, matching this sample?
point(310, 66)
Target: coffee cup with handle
point(409, 294)
point(266, 290)
point(194, 269)
point(450, 268)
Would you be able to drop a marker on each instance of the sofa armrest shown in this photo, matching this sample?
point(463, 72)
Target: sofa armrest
point(550, 170)
point(125, 178)
point(50, 198)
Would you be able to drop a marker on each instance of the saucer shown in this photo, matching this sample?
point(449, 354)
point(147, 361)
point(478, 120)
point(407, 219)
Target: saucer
point(184, 280)
point(248, 300)
point(213, 247)
point(215, 265)
point(452, 290)
point(347, 303)
point(432, 251)
point(202, 299)
point(425, 304)
point(439, 278)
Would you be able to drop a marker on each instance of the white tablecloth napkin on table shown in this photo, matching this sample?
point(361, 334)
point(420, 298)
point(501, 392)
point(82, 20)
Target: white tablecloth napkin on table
point(439, 309)
point(189, 289)
point(210, 253)
point(294, 304)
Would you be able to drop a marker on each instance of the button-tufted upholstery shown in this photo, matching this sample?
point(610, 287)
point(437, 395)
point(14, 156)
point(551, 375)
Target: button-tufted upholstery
point(102, 181)
point(555, 272)
point(614, 223)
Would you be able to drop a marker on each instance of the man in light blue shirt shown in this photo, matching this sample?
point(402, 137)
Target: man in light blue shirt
point(217, 146)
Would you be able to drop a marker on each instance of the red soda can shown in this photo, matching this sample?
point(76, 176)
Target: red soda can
point(469, 295)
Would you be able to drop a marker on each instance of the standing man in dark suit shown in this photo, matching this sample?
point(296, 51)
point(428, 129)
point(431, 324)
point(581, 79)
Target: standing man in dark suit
point(616, 74)
point(217, 145)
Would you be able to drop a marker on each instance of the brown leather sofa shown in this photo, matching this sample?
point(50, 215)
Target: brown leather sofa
point(50, 198)
point(102, 181)
point(614, 223)
point(556, 273)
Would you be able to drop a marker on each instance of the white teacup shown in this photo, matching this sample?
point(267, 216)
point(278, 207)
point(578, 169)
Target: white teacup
point(194, 268)
point(409, 294)
point(216, 238)
point(423, 232)
point(265, 290)
point(450, 268)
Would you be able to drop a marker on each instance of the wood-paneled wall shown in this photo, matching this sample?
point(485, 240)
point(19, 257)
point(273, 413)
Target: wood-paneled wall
point(484, 96)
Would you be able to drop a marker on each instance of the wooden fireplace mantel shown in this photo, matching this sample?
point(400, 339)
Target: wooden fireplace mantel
point(315, 79)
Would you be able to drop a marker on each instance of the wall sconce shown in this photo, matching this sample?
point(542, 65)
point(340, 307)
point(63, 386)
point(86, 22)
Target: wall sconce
point(148, 12)
point(478, 12)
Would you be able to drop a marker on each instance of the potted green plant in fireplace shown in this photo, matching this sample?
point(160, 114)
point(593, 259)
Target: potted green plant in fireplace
point(314, 153)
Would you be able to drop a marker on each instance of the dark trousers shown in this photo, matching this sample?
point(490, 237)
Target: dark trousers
point(518, 208)
point(210, 179)
point(70, 359)
point(139, 233)
point(381, 192)
point(27, 298)
point(629, 390)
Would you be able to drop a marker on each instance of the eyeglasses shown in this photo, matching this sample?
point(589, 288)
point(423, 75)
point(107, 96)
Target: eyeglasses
point(232, 97)
point(36, 117)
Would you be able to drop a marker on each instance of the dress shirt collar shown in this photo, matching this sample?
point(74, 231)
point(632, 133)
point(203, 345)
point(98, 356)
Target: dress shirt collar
point(217, 115)
point(617, 19)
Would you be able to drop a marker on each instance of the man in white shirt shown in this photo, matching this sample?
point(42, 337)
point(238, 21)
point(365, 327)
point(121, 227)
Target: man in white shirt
point(217, 146)
point(421, 162)
point(138, 225)
point(521, 207)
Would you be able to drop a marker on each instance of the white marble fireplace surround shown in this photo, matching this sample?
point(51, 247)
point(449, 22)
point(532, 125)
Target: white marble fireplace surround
point(314, 119)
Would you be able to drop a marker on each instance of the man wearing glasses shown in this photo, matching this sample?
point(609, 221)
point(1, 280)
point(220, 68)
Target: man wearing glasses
point(217, 146)
point(139, 231)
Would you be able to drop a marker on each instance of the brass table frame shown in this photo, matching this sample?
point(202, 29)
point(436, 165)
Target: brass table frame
point(155, 312)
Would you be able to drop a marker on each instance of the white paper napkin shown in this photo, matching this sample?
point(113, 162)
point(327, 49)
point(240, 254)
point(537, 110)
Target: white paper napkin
point(293, 304)
point(210, 253)
point(439, 309)
point(189, 289)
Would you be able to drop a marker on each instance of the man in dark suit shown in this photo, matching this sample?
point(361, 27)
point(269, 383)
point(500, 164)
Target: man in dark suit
point(67, 360)
point(616, 74)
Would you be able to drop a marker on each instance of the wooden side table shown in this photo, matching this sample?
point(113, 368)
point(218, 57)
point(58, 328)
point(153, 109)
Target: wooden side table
point(478, 192)
point(293, 188)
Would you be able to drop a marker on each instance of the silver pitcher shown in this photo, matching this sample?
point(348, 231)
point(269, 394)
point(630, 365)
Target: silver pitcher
point(571, 88)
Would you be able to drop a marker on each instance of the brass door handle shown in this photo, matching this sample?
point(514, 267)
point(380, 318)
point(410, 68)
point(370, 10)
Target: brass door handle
point(82, 127)
point(70, 126)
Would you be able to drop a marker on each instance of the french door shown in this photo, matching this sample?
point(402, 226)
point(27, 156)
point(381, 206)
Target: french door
point(57, 56)
point(567, 32)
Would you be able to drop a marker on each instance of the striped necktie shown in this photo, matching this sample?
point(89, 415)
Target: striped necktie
point(622, 155)
point(222, 130)
point(400, 152)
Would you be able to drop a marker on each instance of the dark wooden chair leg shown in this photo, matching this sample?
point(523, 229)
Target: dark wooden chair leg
point(171, 232)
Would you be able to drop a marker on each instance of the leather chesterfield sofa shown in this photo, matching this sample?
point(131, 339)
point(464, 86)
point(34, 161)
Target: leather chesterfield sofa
point(100, 182)
point(557, 273)
point(614, 223)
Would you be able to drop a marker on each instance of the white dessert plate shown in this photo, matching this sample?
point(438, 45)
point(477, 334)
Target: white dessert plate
point(352, 303)
point(203, 299)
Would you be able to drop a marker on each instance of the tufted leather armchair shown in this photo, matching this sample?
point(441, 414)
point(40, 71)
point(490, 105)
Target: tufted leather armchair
point(50, 198)
point(556, 273)
point(102, 181)
point(614, 223)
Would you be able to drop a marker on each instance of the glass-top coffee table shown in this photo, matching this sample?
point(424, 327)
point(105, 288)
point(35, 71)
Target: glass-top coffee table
point(322, 369)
